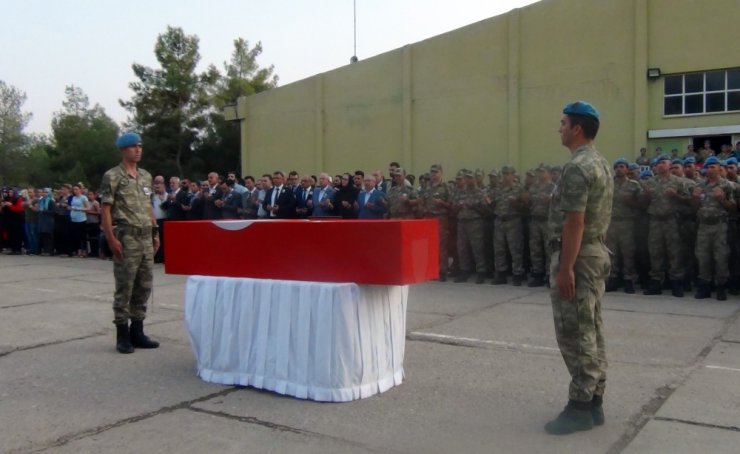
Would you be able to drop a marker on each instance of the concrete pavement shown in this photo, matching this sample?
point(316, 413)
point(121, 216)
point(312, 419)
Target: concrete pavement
point(483, 374)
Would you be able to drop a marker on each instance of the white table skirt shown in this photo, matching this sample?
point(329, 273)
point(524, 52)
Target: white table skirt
point(312, 340)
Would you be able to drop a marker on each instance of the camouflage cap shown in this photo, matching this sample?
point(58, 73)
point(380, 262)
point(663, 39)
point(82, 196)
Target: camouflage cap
point(468, 173)
point(507, 169)
point(436, 168)
point(397, 171)
point(493, 173)
point(530, 172)
point(479, 173)
point(556, 169)
point(542, 168)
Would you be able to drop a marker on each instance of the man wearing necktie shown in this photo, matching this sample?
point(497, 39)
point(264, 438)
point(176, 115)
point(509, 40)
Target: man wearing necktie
point(304, 193)
point(279, 201)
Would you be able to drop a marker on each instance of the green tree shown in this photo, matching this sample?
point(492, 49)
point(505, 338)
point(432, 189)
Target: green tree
point(241, 76)
point(12, 139)
point(169, 106)
point(83, 140)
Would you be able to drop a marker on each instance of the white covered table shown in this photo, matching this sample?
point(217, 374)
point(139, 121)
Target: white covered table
point(312, 340)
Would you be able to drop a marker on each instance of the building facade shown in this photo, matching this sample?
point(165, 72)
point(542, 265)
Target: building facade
point(491, 93)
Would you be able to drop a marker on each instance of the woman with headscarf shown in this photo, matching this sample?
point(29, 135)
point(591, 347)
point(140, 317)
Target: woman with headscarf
point(13, 214)
point(46, 221)
point(345, 199)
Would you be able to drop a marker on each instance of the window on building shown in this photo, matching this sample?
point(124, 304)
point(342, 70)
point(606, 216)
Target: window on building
point(702, 93)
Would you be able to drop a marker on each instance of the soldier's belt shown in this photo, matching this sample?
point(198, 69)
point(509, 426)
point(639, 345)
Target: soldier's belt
point(713, 220)
point(662, 217)
point(134, 230)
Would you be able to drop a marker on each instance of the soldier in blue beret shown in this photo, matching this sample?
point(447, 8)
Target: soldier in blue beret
point(580, 212)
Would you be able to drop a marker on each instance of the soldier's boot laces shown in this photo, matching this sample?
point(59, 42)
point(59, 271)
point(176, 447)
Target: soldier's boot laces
point(612, 284)
point(677, 289)
point(500, 278)
point(721, 293)
point(575, 417)
point(138, 338)
point(702, 291)
point(654, 287)
point(480, 278)
point(597, 410)
point(629, 287)
point(123, 340)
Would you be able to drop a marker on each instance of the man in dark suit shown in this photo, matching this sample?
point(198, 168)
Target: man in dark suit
point(371, 202)
point(303, 195)
point(280, 200)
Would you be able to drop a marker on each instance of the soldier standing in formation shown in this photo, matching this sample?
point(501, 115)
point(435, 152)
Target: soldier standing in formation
point(436, 205)
point(664, 194)
point(579, 218)
point(507, 230)
point(130, 228)
point(469, 205)
point(733, 230)
point(538, 198)
point(620, 238)
point(713, 200)
point(402, 198)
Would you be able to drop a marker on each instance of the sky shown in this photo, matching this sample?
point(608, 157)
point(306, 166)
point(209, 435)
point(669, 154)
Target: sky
point(91, 44)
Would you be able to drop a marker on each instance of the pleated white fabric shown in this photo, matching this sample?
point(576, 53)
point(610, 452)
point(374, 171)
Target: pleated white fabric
point(312, 340)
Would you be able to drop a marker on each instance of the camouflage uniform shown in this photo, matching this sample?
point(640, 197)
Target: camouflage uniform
point(539, 206)
point(586, 185)
point(508, 232)
point(733, 241)
point(131, 213)
point(687, 228)
point(663, 235)
point(711, 240)
point(397, 207)
point(469, 203)
point(441, 213)
point(620, 238)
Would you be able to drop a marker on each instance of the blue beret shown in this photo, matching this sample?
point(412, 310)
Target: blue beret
point(646, 174)
point(689, 160)
point(731, 161)
point(128, 139)
point(677, 161)
point(711, 160)
point(723, 163)
point(663, 157)
point(633, 166)
point(581, 108)
point(621, 161)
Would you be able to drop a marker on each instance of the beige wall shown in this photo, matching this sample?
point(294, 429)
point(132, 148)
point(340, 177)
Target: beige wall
point(491, 93)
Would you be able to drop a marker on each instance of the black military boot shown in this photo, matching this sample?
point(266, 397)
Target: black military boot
point(597, 410)
point(536, 280)
point(123, 340)
point(612, 284)
point(517, 279)
point(480, 278)
point(500, 278)
point(677, 289)
point(687, 285)
point(629, 287)
point(575, 417)
point(721, 292)
point(654, 287)
point(462, 276)
point(702, 290)
point(733, 286)
point(138, 338)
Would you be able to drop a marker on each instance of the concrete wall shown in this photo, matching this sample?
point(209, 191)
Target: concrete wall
point(491, 93)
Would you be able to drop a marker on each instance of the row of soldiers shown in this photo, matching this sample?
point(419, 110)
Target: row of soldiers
point(674, 226)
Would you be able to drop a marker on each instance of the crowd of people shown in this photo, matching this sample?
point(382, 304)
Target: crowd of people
point(492, 226)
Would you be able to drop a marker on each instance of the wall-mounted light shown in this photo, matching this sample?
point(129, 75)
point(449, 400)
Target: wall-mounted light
point(653, 73)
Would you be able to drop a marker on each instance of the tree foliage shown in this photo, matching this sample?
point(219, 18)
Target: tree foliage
point(13, 141)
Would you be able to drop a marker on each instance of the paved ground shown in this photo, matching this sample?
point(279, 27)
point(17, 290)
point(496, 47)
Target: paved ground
point(482, 375)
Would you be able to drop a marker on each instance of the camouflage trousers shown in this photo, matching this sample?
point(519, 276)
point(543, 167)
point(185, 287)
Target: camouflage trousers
point(712, 252)
point(687, 230)
point(470, 245)
point(444, 234)
point(733, 244)
point(508, 237)
point(538, 236)
point(133, 275)
point(620, 239)
point(663, 246)
point(579, 328)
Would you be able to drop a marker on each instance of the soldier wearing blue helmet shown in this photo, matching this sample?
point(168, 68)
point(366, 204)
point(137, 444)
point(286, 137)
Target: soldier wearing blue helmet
point(578, 220)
